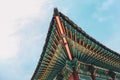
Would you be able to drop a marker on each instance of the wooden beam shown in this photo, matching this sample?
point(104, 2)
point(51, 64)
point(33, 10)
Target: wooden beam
point(62, 33)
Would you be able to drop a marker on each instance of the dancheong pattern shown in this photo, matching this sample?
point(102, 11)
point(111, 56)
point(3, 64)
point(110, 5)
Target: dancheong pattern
point(71, 54)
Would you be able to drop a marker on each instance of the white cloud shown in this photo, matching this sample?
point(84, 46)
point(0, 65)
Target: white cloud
point(101, 10)
point(99, 17)
point(15, 14)
point(106, 4)
point(12, 67)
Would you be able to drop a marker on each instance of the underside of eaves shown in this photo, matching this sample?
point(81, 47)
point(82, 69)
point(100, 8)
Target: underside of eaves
point(85, 51)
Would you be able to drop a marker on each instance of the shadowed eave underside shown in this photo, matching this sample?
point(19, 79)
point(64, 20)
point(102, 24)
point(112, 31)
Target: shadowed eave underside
point(83, 47)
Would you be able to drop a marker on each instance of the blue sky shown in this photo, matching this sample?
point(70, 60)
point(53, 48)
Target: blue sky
point(24, 25)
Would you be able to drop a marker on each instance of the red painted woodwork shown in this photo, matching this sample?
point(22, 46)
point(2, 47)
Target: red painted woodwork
point(60, 28)
point(71, 78)
point(93, 77)
point(74, 76)
point(114, 78)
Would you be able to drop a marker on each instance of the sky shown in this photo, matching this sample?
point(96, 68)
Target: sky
point(24, 25)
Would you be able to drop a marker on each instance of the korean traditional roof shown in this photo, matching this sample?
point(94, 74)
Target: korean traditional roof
point(83, 47)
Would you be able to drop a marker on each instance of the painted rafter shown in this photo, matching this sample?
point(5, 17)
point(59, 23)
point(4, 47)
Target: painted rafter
point(81, 46)
point(106, 56)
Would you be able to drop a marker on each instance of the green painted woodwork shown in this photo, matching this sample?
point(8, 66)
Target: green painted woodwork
point(84, 77)
point(86, 51)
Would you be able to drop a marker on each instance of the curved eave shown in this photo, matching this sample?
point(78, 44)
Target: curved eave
point(44, 48)
point(86, 35)
point(75, 27)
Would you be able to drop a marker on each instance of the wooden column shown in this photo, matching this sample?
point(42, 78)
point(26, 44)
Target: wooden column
point(92, 71)
point(93, 77)
point(112, 75)
point(75, 74)
point(114, 78)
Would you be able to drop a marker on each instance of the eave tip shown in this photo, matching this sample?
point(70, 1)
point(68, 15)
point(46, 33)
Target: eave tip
point(56, 13)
